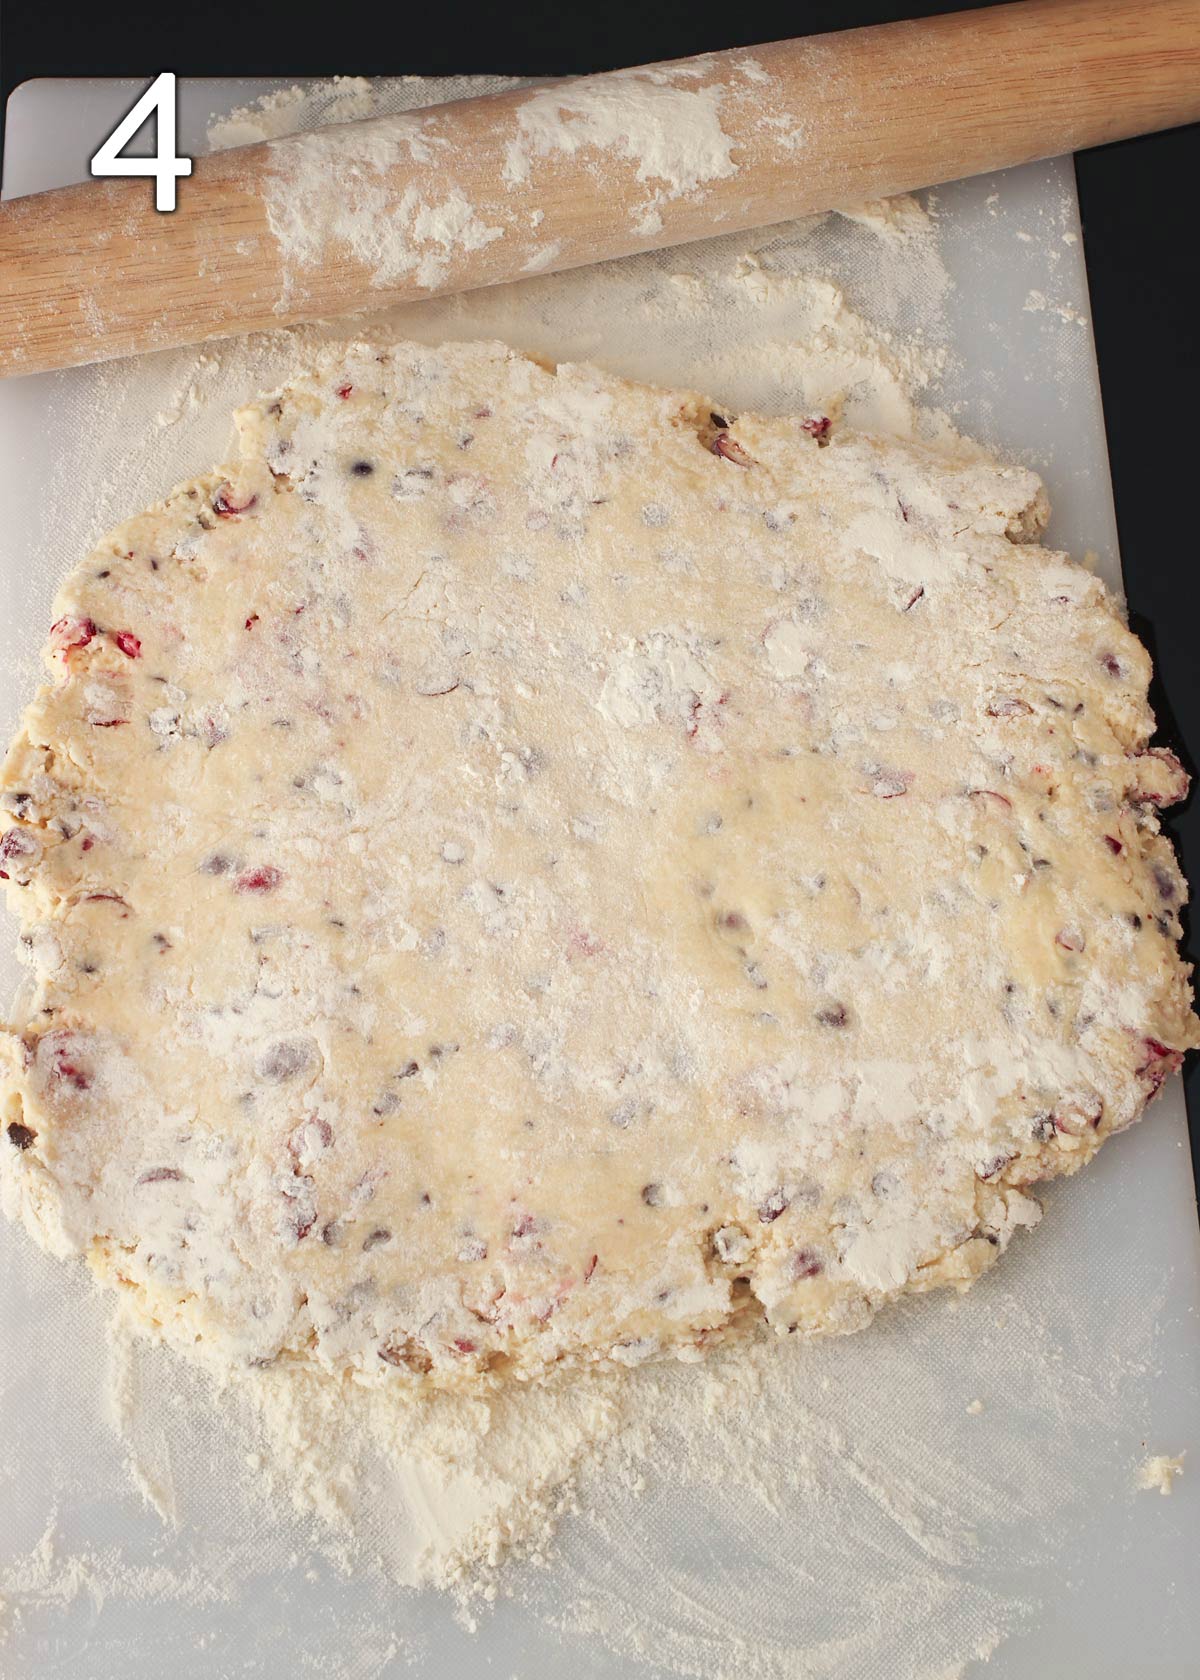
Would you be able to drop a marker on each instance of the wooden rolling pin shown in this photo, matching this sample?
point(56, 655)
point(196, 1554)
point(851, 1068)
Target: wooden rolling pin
point(365, 214)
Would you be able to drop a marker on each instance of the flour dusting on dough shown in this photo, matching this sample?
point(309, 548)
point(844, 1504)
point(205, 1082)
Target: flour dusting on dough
point(330, 1202)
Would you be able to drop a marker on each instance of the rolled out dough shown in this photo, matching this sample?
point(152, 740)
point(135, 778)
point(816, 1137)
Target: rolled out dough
point(521, 867)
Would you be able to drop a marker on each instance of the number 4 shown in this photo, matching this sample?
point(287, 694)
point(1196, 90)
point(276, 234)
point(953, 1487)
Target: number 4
point(159, 101)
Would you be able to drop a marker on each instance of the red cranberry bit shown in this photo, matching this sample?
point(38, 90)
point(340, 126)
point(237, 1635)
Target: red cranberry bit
point(916, 595)
point(817, 426)
point(1113, 844)
point(462, 1345)
point(86, 844)
point(108, 723)
point(587, 1270)
point(891, 784)
point(1157, 1050)
point(23, 1137)
point(1178, 776)
point(731, 450)
point(1009, 706)
point(303, 1223)
point(226, 505)
point(805, 1263)
point(283, 1060)
point(1070, 939)
point(344, 391)
point(123, 908)
point(252, 620)
point(989, 1169)
point(986, 797)
point(1112, 664)
point(487, 1312)
point(127, 642)
point(65, 1062)
point(701, 713)
point(69, 633)
point(1158, 1063)
point(1077, 1118)
point(834, 1015)
point(1165, 882)
point(161, 1175)
point(212, 732)
point(261, 880)
point(581, 943)
point(405, 1354)
point(17, 847)
point(775, 1204)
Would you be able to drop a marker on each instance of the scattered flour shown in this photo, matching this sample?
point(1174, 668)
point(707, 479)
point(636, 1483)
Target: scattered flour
point(336, 189)
point(340, 99)
point(1037, 302)
point(670, 130)
point(902, 218)
point(760, 1513)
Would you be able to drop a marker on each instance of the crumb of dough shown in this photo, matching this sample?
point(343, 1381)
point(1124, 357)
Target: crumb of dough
point(1157, 1474)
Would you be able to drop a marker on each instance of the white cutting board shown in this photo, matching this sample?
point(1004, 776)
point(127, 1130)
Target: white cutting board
point(1111, 1280)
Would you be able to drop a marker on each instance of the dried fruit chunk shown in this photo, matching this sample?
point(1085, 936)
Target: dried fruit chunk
point(226, 504)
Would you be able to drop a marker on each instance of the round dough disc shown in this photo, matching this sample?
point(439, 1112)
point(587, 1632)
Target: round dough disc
point(520, 866)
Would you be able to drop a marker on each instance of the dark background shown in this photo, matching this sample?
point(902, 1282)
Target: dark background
point(1136, 199)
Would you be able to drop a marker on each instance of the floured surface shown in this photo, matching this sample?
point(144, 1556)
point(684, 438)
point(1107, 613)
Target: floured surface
point(771, 1511)
point(1124, 1378)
